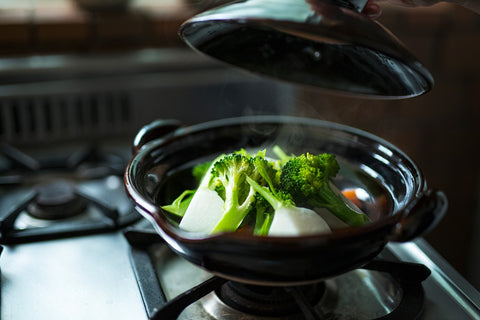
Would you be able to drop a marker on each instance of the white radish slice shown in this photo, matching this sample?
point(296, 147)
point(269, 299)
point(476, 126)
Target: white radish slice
point(296, 221)
point(204, 211)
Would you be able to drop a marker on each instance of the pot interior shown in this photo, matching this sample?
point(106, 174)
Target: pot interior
point(385, 179)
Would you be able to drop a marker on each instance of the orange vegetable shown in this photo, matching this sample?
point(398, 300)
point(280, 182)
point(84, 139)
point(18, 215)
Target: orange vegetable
point(351, 195)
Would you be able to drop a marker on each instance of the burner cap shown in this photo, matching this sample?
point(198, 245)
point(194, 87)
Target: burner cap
point(267, 301)
point(56, 200)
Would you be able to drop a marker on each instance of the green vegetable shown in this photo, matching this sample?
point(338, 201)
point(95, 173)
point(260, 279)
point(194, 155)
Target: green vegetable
point(228, 179)
point(263, 216)
point(288, 219)
point(180, 204)
point(282, 156)
point(308, 179)
point(269, 196)
point(276, 200)
point(200, 170)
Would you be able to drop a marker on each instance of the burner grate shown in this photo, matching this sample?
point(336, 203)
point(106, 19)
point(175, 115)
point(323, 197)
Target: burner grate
point(53, 202)
point(409, 277)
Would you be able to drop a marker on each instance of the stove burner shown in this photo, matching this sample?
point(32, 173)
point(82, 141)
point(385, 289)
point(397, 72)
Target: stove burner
point(269, 301)
point(380, 290)
point(56, 200)
point(72, 195)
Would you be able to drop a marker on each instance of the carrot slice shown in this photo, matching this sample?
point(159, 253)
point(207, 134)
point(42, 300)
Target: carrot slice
point(351, 195)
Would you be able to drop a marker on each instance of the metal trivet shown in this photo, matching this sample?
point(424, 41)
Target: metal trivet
point(408, 275)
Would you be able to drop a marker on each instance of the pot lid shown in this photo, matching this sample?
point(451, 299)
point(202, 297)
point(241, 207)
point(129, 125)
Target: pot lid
point(318, 43)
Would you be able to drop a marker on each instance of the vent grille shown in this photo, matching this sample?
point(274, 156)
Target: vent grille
point(49, 118)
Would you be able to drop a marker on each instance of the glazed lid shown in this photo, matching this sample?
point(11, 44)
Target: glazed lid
point(319, 43)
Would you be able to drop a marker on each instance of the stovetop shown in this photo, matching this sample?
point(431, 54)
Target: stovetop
point(95, 277)
point(106, 262)
point(385, 288)
point(406, 281)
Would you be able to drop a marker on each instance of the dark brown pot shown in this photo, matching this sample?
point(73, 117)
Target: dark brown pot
point(397, 198)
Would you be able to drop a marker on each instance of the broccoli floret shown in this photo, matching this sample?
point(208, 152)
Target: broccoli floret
point(276, 199)
point(263, 215)
point(228, 180)
point(287, 218)
point(308, 179)
point(269, 193)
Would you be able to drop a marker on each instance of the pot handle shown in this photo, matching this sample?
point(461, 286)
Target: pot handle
point(154, 130)
point(420, 216)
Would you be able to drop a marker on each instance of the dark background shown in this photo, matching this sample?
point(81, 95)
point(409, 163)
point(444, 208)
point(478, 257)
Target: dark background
point(439, 130)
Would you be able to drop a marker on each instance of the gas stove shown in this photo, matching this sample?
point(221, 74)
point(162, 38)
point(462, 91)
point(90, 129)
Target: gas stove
point(115, 266)
point(383, 289)
point(403, 282)
point(75, 248)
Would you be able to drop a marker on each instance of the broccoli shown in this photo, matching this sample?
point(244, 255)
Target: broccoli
point(276, 199)
point(288, 219)
point(180, 204)
point(263, 215)
point(278, 151)
point(262, 210)
point(308, 179)
point(228, 180)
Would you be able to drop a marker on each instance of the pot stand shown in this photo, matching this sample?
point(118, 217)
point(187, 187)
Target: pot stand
point(408, 276)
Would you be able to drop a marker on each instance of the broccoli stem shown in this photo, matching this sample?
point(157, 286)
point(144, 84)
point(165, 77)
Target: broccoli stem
point(180, 204)
point(274, 202)
point(234, 215)
point(328, 198)
point(280, 153)
point(263, 223)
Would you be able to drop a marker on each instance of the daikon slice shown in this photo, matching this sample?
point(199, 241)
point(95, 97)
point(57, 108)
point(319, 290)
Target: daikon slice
point(297, 221)
point(204, 211)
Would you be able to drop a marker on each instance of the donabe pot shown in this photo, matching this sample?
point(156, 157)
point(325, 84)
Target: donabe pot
point(393, 189)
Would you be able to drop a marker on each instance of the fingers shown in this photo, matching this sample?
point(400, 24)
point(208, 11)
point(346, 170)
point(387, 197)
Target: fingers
point(372, 10)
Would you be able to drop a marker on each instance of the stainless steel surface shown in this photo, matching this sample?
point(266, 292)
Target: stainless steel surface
point(343, 298)
point(326, 44)
point(80, 278)
point(449, 295)
point(110, 187)
point(378, 295)
point(90, 277)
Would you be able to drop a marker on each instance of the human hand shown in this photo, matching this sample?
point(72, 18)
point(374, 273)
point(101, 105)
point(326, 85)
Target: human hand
point(373, 9)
